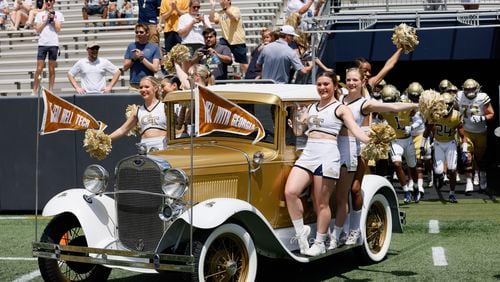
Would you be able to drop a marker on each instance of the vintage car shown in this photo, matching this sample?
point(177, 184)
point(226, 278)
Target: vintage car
point(207, 205)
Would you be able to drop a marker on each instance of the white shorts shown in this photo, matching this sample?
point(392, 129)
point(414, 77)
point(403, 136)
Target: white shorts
point(154, 143)
point(349, 149)
point(445, 151)
point(404, 148)
point(322, 154)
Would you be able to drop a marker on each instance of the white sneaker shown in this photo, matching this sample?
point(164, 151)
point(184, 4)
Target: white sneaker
point(302, 239)
point(445, 179)
point(353, 237)
point(316, 249)
point(335, 243)
point(469, 187)
point(476, 179)
point(458, 178)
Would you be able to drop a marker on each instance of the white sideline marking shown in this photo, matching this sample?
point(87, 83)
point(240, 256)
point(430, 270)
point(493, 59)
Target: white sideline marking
point(433, 226)
point(438, 256)
point(28, 277)
point(18, 258)
point(13, 217)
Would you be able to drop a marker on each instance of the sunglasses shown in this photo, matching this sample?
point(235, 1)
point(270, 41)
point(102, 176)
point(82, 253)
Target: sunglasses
point(195, 7)
point(95, 48)
point(140, 32)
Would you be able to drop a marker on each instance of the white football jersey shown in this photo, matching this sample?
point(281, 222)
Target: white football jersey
point(470, 107)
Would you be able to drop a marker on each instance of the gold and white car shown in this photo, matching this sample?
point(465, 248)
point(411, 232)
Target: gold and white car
point(207, 206)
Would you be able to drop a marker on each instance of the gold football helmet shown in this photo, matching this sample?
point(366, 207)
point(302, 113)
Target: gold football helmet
point(445, 83)
point(452, 89)
point(390, 93)
point(414, 91)
point(471, 87)
point(449, 100)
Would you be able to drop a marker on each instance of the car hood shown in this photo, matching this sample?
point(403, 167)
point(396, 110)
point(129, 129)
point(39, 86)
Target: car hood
point(212, 154)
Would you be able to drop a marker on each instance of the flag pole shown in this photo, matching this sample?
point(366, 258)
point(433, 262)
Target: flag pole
point(37, 157)
point(192, 85)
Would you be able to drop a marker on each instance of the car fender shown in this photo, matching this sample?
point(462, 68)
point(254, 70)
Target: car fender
point(375, 184)
point(97, 216)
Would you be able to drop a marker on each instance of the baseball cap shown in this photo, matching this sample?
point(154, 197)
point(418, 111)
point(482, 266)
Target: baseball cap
point(288, 29)
point(91, 44)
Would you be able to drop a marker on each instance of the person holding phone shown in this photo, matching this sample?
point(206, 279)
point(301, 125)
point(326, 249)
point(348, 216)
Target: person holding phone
point(191, 26)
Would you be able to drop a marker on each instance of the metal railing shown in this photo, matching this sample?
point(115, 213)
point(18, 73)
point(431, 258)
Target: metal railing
point(346, 6)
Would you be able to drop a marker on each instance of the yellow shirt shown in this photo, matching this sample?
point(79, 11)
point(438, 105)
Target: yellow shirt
point(232, 31)
point(172, 21)
point(445, 129)
point(398, 121)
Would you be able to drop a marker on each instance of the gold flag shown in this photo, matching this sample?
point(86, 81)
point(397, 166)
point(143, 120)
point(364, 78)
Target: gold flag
point(59, 115)
point(215, 113)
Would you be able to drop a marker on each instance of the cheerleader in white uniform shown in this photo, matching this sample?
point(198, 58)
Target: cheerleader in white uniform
point(150, 117)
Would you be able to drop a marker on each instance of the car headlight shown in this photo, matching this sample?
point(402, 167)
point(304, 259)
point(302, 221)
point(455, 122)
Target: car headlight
point(175, 183)
point(95, 178)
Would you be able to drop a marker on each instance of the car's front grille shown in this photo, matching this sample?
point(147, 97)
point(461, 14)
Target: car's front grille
point(139, 227)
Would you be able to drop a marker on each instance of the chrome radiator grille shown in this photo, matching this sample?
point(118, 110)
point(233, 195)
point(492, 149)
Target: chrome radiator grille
point(139, 227)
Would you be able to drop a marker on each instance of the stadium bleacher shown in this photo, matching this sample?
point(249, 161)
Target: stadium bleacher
point(18, 48)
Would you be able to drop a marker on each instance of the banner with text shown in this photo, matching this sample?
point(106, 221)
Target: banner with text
point(215, 113)
point(60, 114)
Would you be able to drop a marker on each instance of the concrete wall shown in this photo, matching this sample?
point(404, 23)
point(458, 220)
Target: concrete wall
point(61, 156)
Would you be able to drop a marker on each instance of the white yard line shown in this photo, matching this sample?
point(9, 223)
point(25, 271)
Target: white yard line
point(433, 226)
point(438, 256)
point(18, 258)
point(28, 277)
point(15, 217)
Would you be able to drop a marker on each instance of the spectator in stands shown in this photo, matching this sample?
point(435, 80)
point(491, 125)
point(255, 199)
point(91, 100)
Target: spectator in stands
point(277, 57)
point(149, 117)
point(40, 6)
point(267, 36)
point(120, 9)
point(47, 24)
point(305, 53)
point(92, 71)
point(20, 13)
point(233, 33)
point(4, 12)
point(141, 57)
point(191, 26)
point(214, 55)
point(470, 4)
point(170, 12)
point(95, 7)
point(148, 15)
point(305, 9)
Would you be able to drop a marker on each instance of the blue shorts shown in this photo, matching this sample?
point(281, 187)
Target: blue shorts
point(94, 9)
point(52, 51)
point(239, 51)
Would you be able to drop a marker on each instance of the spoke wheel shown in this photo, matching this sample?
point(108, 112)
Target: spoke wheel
point(377, 229)
point(228, 254)
point(66, 230)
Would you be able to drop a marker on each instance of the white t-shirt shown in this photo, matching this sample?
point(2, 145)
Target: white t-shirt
point(195, 34)
point(48, 36)
point(93, 74)
point(3, 4)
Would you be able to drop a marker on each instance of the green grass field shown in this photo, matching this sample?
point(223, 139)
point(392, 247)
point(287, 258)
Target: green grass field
point(469, 234)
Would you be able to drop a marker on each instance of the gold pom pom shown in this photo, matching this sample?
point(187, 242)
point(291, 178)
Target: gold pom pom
point(131, 109)
point(97, 143)
point(431, 106)
point(178, 54)
point(381, 135)
point(405, 37)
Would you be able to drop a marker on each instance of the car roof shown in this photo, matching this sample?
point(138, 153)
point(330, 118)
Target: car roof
point(286, 92)
point(283, 92)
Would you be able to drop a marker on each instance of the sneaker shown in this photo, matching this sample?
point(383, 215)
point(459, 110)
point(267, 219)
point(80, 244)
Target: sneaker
point(316, 249)
point(458, 178)
point(354, 236)
point(476, 179)
point(452, 199)
point(302, 239)
point(417, 196)
point(335, 243)
point(407, 198)
point(469, 188)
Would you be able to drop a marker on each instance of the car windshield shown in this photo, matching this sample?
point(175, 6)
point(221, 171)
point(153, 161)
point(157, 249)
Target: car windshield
point(265, 113)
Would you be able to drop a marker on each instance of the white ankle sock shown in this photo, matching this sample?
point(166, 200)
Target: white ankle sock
point(355, 219)
point(320, 237)
point(336, 231)
point(298, 224)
